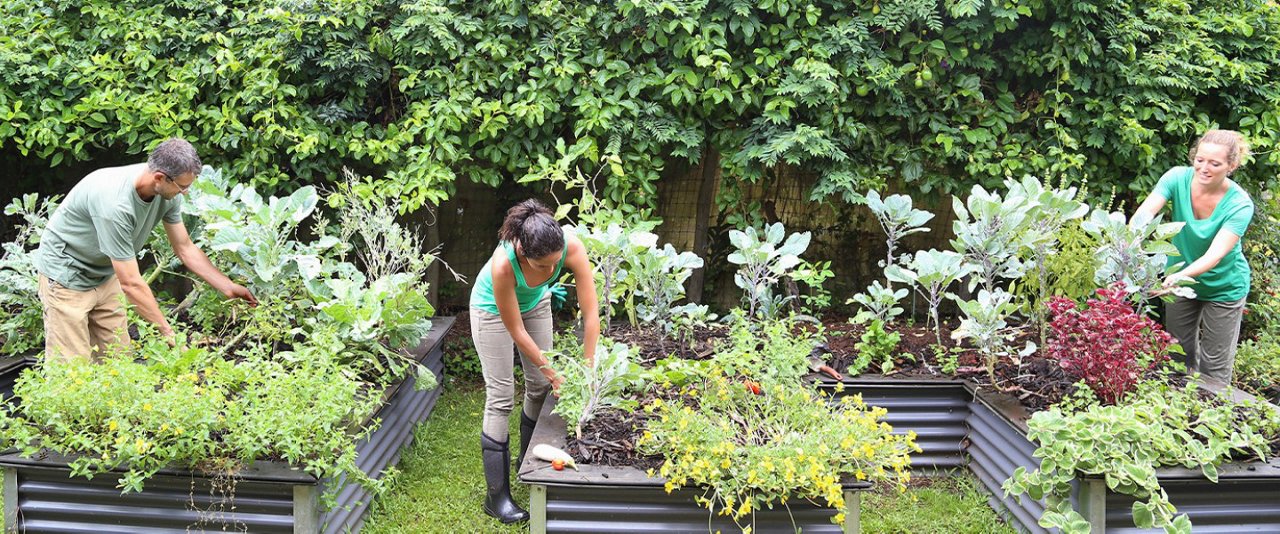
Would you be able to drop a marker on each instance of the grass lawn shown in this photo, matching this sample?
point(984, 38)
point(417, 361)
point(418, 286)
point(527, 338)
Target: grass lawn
point(441, 484)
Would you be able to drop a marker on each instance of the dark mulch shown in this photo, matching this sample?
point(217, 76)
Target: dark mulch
point(609, 439)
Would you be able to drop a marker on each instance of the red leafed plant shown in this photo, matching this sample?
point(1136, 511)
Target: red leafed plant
point(1106, 344)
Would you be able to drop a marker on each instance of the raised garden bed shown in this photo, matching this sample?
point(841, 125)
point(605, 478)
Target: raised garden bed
point(1245, 499)
point(625, 499)
point(40, 496)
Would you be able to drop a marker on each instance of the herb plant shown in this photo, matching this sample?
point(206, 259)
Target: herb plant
point(879, 303)
point(876, 345)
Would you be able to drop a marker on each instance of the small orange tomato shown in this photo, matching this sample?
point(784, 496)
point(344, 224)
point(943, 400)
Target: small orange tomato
point(752, 386)
point(557, 464)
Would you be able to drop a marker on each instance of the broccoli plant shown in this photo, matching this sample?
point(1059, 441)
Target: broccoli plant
point(1057, 207)
point(880, 303)
point(609, 249)
point(989, 234)
point(897, 218)
point(591, 387)
point(985, 325)
point(21, 319)
point(656, 281)
point(930, 272)
point(764, 259)
point(1135, 253)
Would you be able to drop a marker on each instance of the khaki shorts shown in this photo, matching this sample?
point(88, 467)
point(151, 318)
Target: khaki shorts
point(82, 324)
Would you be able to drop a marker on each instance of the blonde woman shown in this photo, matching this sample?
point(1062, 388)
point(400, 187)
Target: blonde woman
point(1217, 212)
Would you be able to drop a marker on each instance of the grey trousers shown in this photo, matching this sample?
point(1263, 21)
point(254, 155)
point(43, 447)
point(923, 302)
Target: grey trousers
point(1208, 332)
point(495, 347)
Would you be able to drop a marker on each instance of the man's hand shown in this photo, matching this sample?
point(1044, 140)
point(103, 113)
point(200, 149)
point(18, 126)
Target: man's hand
point(237, 291)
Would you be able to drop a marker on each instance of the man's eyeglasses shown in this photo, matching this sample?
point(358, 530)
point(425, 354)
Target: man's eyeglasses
point(181, 188)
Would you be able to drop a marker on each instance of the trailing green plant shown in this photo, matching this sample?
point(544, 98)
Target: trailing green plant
point(931, 272)
point(766, 351)
point(898, 220)
point(1136, 253)
point(1161, 426)
point(590, 387)
point(744, 450)
point(876, 345)
point(764, 259)
point(989, 232)
point(879, 303)
point(985, 324)
point(21, 318)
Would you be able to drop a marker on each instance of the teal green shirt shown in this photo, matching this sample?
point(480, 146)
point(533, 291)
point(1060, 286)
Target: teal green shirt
point(1229, 280)
point(528, 297)
point(102, 219)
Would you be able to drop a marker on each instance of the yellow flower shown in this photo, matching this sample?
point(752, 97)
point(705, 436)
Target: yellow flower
point(114, 372)
point(178, 431)
point(164, 427)
point(839, 518)
point(146, 407)
point(112, 426)
point(744, 509)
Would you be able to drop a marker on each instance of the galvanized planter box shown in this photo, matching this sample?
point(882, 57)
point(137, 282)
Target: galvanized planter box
point(269, 497)
point(1245, 499)
point(625, 499)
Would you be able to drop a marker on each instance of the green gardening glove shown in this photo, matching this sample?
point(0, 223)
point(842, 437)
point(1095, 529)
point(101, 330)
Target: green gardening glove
point(558, 295)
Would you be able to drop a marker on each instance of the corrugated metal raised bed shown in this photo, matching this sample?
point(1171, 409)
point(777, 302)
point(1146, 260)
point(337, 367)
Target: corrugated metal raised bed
point(1246, 498)
point(40, 496)
point(625, 499)
point(935, 409)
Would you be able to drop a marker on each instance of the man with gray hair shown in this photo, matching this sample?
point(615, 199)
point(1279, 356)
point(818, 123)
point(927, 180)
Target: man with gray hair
point(87, 257)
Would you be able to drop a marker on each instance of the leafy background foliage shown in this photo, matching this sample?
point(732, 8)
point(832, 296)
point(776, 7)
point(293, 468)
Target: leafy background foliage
point(931, 94)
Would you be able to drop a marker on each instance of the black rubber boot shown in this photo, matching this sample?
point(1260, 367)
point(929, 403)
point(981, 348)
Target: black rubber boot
point(526, 434)
point(497, 477)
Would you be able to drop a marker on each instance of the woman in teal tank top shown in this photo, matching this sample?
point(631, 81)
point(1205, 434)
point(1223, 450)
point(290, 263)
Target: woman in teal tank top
point(1216, 212)
point(511, 306)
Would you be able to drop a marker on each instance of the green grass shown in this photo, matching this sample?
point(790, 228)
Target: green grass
point(951, 504)
point(441, 484)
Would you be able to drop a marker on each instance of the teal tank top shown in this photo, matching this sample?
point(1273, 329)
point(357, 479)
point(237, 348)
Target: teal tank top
point(528, 297)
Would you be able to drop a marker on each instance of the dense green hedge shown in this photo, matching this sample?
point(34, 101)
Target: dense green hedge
point(932, 94)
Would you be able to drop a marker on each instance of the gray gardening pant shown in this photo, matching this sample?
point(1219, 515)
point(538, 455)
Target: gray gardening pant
point(495, 347)
point(1208, 332)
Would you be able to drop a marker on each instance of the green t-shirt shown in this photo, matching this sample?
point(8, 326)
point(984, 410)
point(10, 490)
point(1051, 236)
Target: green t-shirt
point(1229, 280)
point(527, 297)
point(102, 219)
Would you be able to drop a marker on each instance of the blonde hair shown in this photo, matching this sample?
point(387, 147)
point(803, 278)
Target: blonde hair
point(1237, 146)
